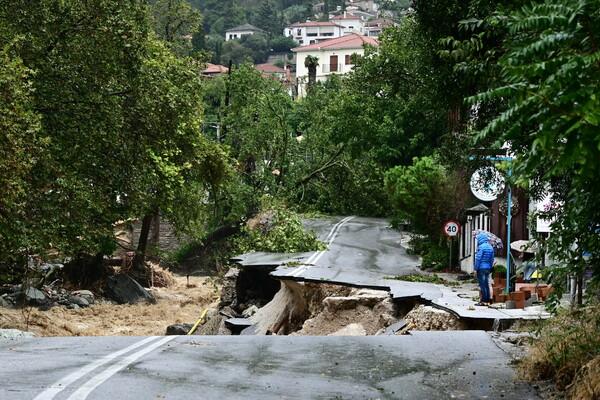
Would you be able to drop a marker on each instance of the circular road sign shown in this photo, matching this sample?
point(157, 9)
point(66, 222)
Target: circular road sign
point(451, 228)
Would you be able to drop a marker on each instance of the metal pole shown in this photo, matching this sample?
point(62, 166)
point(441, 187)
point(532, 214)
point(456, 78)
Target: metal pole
point(450, 260)
point(509, 215)
point(508, 221)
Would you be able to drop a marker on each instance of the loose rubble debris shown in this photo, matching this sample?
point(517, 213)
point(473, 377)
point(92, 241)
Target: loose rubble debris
point(47, 297)
point(181, 302)
point(307, 308)
point(428, 318)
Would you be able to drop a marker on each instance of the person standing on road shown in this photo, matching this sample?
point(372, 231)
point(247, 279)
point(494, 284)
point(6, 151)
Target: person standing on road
point(484, 260)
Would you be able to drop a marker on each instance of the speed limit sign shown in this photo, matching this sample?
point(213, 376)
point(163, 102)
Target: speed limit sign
point(451, 228)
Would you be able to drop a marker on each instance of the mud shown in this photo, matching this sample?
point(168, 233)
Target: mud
point(181, 302)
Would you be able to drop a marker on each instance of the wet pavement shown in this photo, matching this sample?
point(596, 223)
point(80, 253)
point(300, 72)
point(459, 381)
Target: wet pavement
point(422, 365)
point(367, 252)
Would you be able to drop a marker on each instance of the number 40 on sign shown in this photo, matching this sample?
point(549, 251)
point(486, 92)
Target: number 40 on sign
point(451, 228)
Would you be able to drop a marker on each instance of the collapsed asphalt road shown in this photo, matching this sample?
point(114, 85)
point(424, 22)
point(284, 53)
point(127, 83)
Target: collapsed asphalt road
point(358, 248)
point(419, 365)
point(365, 252)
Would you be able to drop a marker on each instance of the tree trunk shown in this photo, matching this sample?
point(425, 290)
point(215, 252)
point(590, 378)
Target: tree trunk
point(140, 254)
point(312, 75)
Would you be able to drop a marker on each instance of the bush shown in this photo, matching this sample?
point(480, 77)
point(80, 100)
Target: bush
point(436, 258)
point(426, 195)
point(433, 255)
point(278, 229)
point(567, 351)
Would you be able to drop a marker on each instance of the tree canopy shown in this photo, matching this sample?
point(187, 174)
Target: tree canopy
point(119, 123)
point(550, 76)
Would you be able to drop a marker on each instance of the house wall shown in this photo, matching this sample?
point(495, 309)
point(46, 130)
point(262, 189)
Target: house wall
point(351, 26)
point(306, 35)
point(325, 68)
point(467, 245)
point(237, 34)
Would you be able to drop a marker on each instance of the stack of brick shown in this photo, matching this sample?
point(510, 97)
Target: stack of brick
point(523, 294)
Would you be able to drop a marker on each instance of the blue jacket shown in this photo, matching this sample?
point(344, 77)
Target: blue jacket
point(485, 253)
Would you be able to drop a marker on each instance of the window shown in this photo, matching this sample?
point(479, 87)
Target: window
point(348, 59)
point(300, 41)
point(299, 32)
point(313, 41)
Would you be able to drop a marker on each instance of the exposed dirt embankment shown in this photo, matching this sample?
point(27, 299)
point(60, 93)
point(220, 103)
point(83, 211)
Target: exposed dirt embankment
point(324, 309)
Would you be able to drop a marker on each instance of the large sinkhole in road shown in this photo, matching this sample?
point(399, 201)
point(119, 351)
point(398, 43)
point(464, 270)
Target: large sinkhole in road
point(291, 307)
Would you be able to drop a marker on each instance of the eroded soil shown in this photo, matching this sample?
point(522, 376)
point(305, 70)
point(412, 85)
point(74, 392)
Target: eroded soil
point(181, 302)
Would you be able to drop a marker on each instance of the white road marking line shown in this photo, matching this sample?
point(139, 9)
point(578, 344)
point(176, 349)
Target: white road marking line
point(60, 385)
point(84, 390)
point(316, 256)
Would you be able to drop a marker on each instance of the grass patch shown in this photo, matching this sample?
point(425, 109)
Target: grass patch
point(423, 279)
point(567, 351)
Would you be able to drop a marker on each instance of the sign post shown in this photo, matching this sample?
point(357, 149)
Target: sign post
point(451, 229)
point(492, 186)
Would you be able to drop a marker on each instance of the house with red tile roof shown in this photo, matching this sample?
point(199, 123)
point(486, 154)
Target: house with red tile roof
point(335, 56)
point(213, 70)
point(271, 70)
point(375, 28)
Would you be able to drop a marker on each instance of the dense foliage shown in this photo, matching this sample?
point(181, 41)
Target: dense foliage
point(550, 76)
point(112, 120)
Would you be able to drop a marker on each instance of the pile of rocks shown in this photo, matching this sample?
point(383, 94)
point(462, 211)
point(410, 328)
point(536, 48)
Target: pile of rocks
point(45, 298)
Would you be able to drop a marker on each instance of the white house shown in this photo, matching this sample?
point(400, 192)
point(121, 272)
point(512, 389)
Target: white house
point(335, 57)
point(305, 33)
point(350, 22)
point(239, 31)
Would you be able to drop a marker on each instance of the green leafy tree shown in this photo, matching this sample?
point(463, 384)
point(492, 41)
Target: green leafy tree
point(236, 52)
point(256, 128)
point(550, 77)
point(297, 13)
point(19, 145)
point(391, 94)
point(122, 118)
point(282, 43)
point(426, 196)
point(258, 45)
point(177, 23)
point(267, 18)
point(220, 15)
point(330, 174)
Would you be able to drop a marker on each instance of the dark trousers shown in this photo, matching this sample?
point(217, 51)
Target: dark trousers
point(483, 277)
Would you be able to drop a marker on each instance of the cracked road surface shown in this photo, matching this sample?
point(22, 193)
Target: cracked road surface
point(359, 249)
